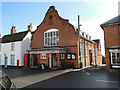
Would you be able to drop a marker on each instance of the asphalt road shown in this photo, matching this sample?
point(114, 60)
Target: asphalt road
point(94, 77)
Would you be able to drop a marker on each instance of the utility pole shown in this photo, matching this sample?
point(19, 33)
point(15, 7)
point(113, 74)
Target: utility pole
point(79, 40)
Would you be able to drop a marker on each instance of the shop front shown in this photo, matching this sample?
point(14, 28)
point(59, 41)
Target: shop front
point(50, 57)
point(114, 56)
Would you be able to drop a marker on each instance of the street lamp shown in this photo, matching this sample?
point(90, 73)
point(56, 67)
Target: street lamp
point(79, 42)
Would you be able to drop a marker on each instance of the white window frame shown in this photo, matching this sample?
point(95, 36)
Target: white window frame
point(54, 38)
point(12, 59)
point(12, 46)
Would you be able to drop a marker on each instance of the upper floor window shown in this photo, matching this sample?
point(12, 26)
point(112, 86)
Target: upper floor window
point(12, 46)
point(51, 37)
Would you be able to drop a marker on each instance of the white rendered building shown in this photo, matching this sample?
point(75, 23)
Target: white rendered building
point(14, 46)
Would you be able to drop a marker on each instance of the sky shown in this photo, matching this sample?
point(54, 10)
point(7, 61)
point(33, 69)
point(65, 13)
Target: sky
point(21, 13)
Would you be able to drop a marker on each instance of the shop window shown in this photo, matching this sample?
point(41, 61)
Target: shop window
point(43, 56)
point(62, 56)
point(51, 37)
point(71, 56)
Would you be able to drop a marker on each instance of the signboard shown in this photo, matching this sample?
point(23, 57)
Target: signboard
point(71, 56)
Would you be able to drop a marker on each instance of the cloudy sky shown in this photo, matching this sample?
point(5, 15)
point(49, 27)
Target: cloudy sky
point(92, 13)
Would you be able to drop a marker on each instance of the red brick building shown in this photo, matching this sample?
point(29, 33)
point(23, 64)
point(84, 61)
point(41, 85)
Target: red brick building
point(55, 43)
point(112, 42)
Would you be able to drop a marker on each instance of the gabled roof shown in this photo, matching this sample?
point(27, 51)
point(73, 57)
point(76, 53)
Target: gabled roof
point(14, 37)
point(112, 21)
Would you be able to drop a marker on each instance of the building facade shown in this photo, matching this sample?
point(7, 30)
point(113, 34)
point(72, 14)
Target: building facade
point(112, 42)
point(13, 47)
point(55, 43)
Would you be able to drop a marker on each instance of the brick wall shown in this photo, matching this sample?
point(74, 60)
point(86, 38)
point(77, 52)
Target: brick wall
point(112, 35)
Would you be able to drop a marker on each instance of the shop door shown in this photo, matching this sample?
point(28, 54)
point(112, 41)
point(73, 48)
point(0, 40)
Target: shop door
point(54, 60)
point(34, 59)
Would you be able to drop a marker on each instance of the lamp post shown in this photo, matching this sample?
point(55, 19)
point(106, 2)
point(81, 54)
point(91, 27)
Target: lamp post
point(79, 41)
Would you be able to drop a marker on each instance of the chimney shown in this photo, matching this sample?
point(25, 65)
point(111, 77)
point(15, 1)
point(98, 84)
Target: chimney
point(30, 27)
point(13, 30)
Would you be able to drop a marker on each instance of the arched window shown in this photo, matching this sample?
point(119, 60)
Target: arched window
point(51, 37)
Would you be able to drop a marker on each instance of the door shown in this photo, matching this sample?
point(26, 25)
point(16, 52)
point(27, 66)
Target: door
point(90, 56)
point(34, 59)
point(54, 60)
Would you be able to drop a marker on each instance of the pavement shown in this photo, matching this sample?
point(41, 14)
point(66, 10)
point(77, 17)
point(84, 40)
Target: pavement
point(90, 77)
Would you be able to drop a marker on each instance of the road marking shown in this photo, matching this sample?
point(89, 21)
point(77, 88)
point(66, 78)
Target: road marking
point(107, 81)
point(87, 73)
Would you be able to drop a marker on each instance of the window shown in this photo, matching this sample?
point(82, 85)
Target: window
point(93, 51)
point(86, 50)
point(51, 37)
point(12, 59)
point(0, 60)
point(90, 47)
point(12, 46)
point(43, 56)
point(71, 56)
point(62, 56)
point(0, 47)
point(81, 49)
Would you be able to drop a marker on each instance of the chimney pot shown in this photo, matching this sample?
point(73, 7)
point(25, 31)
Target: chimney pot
point(30, 27)
point(13, 30)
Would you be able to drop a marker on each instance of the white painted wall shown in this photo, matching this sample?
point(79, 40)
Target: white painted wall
point(20, 50)
point(6, 49)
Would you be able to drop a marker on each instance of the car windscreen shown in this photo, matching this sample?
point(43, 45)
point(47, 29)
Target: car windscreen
point(6, 82)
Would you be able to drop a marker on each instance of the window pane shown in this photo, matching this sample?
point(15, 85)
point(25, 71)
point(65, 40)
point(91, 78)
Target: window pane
point(57, 33)
point(50, 34)
point(45, 34)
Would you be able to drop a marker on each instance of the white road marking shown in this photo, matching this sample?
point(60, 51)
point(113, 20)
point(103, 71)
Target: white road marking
point(107, 81)
point(87, 73)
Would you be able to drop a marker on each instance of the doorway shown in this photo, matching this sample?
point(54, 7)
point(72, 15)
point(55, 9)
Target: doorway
point(90, 57)
point(34, 59)
point(53, 60)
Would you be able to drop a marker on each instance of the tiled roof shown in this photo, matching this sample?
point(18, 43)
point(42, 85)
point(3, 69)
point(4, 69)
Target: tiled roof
point(14, 37)
point(112, 21)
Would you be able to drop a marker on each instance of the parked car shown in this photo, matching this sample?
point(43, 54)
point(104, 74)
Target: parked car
point(6, 83)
